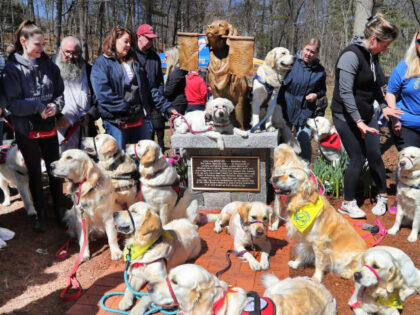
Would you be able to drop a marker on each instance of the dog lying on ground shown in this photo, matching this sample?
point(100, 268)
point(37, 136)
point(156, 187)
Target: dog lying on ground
point(321, 234)
point(199, 292)
point(160, 184)
point(247, 225)
point(387, 278)
point(214, 122)
point(13, 172)
point(408, 192)
point(268, 81)
point(153, 249)
point(222, 82)
point(93, 198)
point(328, 140)
point(119, 166)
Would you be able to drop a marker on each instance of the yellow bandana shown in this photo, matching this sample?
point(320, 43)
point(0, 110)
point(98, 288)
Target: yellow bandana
point(303, 218)
point(135, 251)
point(393, 300)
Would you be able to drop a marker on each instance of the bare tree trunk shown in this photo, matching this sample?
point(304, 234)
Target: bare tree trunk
point(100, 24)
point(31, 10)
point(148, 11)
point(176, 18)
point(107, 27)
point(362, 12)
point(57, 28)
point(83, 28)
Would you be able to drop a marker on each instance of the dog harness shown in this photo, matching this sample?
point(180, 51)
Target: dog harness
point(268, 88)
point(303, 218)
point(135, 251)
point(331, 141)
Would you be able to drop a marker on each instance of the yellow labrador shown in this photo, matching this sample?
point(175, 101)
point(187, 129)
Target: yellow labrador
point(92, 195)
point(153, 249)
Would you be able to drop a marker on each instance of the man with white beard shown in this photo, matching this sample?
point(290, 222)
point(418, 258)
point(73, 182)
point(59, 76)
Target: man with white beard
point(78, 112)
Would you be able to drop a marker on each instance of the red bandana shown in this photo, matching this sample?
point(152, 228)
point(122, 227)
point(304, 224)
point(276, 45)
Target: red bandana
point(332, 141)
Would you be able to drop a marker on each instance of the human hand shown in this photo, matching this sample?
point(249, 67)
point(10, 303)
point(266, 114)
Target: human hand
point(173, 112)
point(51, 110)
point(396, 126)
point(392, 112)
point(62, 122)
point(311, 97)
point(365, 128)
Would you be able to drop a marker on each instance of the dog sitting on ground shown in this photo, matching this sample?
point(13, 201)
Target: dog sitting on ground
point(222, 82)
point(268, 81)
point(93, 198)
point(153, 249)
point(387, 278)
point(119, 166)
point(199, 292)
point(13, 173)
point(247, 225)
point(328, 140)
point(322, 235)
point(160, 186)
point(214, 122)
point(408, 192)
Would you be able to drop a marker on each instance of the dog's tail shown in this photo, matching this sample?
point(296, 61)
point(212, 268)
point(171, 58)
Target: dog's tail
point(269, 280)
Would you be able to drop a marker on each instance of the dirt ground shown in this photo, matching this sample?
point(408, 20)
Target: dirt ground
point(31, 278)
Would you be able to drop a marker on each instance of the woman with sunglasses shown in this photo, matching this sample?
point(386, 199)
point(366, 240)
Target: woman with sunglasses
point(403, 92)
point(356, 88)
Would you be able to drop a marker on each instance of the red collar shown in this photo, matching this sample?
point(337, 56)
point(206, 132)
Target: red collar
point(219, 303)
point(222, 126)
point(141, 264)
point(331, 141)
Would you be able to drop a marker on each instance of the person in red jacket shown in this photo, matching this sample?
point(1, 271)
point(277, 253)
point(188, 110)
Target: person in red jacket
point(195, 92)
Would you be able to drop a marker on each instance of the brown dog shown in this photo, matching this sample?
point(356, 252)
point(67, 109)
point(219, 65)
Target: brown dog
point(222, 83)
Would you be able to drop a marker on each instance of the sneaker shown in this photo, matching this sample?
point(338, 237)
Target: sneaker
point(352, 210)
point(380, 207)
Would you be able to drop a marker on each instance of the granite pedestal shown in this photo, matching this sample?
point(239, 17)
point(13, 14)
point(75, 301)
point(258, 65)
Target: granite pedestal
point(257, 145)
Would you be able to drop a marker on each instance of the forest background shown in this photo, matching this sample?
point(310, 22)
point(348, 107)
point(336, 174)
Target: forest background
point(273, 23)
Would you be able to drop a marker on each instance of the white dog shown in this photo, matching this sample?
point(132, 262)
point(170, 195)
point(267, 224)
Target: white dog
point(213, 122)
point(328, 140)
point(13, 173)
point(268, 81)
point(408, 192)
point(388, 277)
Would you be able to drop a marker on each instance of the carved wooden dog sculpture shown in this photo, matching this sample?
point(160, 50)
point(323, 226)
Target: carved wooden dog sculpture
point(223, 83)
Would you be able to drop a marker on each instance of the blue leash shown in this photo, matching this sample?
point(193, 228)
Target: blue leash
point(269, 111)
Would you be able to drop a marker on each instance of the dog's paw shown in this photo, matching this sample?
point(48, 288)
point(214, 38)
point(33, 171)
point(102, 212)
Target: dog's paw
point(264, 264)
point(254, 265)
point(412, 237)
point(347, 275)
point(317, 277)
point(271, 129)
point(116, 254)
point(258, 130)
point(217, 228)
point(31, 211)
point(294, 264)
point(274, 226)
point(393, 231)
point(6, 203)
point(86, 257)
point(125, 303)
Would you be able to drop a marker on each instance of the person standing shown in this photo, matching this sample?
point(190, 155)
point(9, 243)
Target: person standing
point(403, 92)
point(302, 87)
point(356, 89)
point(195, 92)
point(78, 112)
point(34, 92)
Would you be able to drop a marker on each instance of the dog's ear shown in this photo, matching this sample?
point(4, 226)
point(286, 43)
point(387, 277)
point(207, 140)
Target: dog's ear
point(92, 175)
point(229, 105)
point(150, 156)
point(108, 147)
point(209, 107)
point(232, 30)
point(150, 224)
point(394, 280)
point(243, 211)
point(270, 58)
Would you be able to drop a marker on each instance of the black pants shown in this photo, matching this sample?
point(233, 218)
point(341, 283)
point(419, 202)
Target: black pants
point(409, 138)
point(160, 133)
point(358, 150)
point(32, 151)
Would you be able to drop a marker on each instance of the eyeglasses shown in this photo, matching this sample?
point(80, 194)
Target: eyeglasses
point(418, 41)
point(71, 53)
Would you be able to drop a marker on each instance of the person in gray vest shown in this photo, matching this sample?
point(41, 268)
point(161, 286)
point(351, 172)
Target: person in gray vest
point(356, 88)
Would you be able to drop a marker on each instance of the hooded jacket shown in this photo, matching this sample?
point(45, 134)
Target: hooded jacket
point(29, 87)
point(302, 80)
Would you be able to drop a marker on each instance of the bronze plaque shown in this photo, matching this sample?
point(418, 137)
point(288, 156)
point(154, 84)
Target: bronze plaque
point(229, 173)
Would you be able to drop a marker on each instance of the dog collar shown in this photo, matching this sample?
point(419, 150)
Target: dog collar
point(411, 186)
point(133, 251)
point(221, 126)
point(118, 159)
point(303, 218)
point(219, 303)
point(331, 141)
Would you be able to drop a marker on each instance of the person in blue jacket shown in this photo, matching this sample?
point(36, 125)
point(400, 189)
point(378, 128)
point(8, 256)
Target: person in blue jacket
point(302, 87)
point(34, 94)
point(124, 98)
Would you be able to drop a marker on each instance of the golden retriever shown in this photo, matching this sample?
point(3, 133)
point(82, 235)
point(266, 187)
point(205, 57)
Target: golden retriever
point(215, 121)
point(387, 278)
point(119, 166)
point(199, 292)
point(92, 195)
point(408, 192)
point(158, 248)
point(13, 173)
point(322, 235)
point(247, 225)
point(160, 184)
point(267, 83)
point(222, 82)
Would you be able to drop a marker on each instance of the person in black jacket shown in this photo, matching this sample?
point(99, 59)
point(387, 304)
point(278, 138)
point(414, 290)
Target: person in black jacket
point(175, 84)
point(356, 88)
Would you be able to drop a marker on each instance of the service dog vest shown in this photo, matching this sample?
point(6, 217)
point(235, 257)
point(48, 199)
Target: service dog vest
point(332, 141)
point(303, 218)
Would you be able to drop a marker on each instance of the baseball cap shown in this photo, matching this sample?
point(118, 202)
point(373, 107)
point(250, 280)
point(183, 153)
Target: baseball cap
point(146, 30)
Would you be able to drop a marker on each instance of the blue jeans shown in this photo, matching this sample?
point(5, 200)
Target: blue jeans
point(131, 135)
point(304, 135)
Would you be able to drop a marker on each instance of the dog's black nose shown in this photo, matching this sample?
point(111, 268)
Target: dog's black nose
point(357, 275)
point(115, 214)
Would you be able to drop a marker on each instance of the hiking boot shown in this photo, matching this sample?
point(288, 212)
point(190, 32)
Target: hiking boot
point(40, 223)
point(351, 209)
point(380, 207)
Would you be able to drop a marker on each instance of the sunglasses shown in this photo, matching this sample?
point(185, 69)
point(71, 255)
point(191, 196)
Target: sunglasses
point(72, 53)
point(418, 41)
